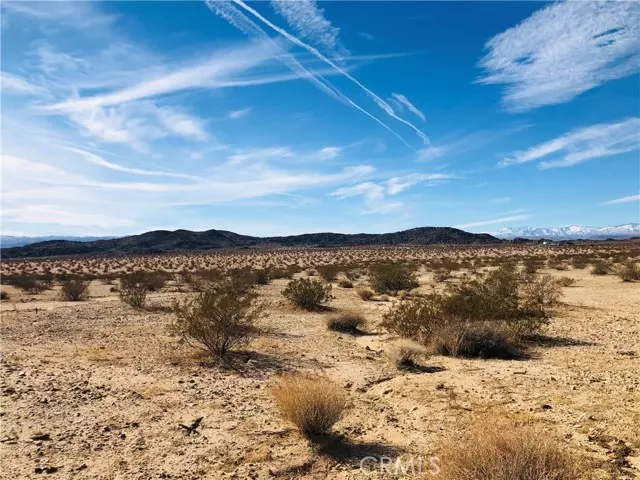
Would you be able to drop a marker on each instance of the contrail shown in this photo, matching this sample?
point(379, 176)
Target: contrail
point(379, 101)
point(236, 18)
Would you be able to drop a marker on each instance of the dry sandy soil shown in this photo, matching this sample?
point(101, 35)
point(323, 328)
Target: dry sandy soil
point(97, 389)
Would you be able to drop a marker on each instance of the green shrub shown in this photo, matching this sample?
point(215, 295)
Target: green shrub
point(328, 272)
point(306, 293)
point(392, 277)
point(218, 319)
point(156, 280)
point(75, 290)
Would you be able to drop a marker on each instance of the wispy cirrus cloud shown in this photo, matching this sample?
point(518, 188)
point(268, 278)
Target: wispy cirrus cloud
point(18, 85)
point(581, 145)
point(627, 199)
point(403, 101)
point(493, 221)
point(375, 194)
point(562, 51)
point(309, 22)
point(236, 114)
point(231, 11)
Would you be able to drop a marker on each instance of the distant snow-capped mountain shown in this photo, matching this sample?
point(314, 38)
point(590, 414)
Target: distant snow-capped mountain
point(572, 232)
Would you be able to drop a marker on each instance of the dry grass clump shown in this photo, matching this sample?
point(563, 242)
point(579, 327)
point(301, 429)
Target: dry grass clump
point(346, 322)
point(392, 277)
point(218, 319)
point(406, 354)
point(477, 318)
point(4, 295)
point(312, 403)
point(74, 290)
point(629, 271)
point(307, 294)
point(501, 451)
point(345, 283)
point(365, 294)
point(566, 281)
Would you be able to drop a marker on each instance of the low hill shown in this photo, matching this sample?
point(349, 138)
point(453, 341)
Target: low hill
point(164, 241)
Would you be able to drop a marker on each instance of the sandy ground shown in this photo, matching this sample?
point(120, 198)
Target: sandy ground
point(97, 389)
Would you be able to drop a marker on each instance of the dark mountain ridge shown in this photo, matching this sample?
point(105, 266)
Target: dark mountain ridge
point(164, 241)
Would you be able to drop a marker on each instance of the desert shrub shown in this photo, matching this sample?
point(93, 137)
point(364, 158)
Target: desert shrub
point(405, 353)
point(629, 271)
point(346, 322)
point(278, 273)
point(203, 279)
point(218, 319)
point(365, 293)
point(156, 280)
point(312, 403)
point(75, 290)
point(134, 288)
point(328, 272)
point(504, 451)
point(566, 281)
point(476, 340)
point(27, 283)
point(4, 295)
point(345, 284)
point(306, 293)
point(556, 264)
point(542, 291)
point(241, 279)
point(261, 276)
point(531, 265)
point(579, 263)
point(114, 289)
point(392, 277)
point(441, 275)
point(416, 318)
point(600, 268)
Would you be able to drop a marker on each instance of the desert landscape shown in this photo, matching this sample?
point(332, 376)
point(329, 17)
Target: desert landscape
point(103, 375)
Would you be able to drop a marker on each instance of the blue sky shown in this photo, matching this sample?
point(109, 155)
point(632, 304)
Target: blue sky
point(271, 118)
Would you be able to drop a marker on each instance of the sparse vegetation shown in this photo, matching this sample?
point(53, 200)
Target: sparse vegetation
point(307, 293)
point(312, 403)
point(134, 288)
point(392, 277)
point(365, 293)
point(629, 271)
point(75, 290)
point(219, 319)
point(405, 353)
point(346, 322)
point(600, 268)
point(500, 451)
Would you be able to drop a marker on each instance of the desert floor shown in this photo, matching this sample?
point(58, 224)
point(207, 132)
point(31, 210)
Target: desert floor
point(97, 389)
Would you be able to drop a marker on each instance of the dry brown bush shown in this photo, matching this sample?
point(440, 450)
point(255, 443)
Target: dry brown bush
point(477, 340)
point(505, 451)
point(600, 268)
point(218, 319)
point(134, 288)
point(346, 322)
point(405, 353)
point(365, 293)
point(629, 271)
point(312, 403)
point(74, 290)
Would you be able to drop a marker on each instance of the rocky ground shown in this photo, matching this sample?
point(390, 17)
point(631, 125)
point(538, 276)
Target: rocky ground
point(98, 390)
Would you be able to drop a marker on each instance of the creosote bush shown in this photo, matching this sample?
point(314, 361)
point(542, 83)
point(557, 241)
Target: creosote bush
point(312, 403)
point(346, 322)
point(218, 319)
point(75, 290)
point(486, 317)
point(134, 288)
point(307, 293)
point(405, 353)
point(504, 451)
point(600, 268)
point(328, 272)
point(261, 276)
point(392, 277)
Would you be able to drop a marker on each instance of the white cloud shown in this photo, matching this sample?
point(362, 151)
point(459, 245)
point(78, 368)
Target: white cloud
point(235, 114)
point(580, 145)
point(564, 50)
point(329, 153)
point(260, 155)
point(84, 16)
point(629, 199)
point(515, 218)
point(412, 108)
point(309, 22)
point(241, 21)
point(11, 83)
